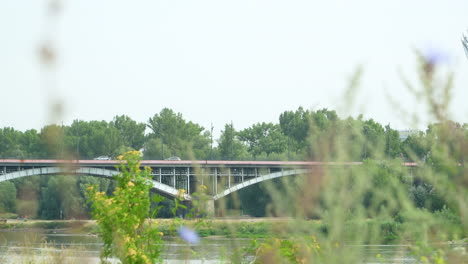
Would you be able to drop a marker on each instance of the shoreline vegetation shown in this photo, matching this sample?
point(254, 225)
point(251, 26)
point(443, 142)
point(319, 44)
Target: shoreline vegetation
point(238, 227)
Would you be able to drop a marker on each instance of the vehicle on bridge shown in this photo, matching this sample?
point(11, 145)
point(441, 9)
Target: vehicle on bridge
point(103, 158)
point(173, 158)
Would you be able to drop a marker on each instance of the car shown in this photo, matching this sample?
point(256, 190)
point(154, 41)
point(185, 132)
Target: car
point(173, 158)
point(103, 158)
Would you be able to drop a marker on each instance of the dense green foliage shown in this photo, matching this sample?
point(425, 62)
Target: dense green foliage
point(50, 197)
point(169, 134)
point(7, 197)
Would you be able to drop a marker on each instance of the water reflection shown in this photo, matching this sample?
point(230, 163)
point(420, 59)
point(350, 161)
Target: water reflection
point(40, 242)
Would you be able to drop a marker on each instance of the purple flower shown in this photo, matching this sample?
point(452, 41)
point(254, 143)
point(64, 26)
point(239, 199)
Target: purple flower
point(189, 235)
point(435, 56)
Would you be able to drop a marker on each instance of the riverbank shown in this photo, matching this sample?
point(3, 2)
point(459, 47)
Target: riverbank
point(223, 227)
point(19, 224)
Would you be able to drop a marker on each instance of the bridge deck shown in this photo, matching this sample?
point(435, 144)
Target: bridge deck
point(176, 163)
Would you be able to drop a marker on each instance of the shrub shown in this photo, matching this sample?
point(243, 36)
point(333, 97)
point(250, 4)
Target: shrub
point(121, 217)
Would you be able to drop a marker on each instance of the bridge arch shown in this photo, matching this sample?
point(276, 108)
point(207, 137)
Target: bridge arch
point(88, 171)
point(262, 178)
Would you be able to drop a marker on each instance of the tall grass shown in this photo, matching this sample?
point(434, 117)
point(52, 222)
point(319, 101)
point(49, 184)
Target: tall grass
point(373, 203)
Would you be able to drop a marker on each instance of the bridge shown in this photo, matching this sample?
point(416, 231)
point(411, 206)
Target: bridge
point(168, 177)
point(221, 177)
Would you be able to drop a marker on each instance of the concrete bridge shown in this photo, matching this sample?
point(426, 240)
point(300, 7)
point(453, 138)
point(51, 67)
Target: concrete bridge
point(168, 177)
point(221, 177)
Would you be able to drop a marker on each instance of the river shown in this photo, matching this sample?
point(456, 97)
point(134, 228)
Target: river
point(57, 246)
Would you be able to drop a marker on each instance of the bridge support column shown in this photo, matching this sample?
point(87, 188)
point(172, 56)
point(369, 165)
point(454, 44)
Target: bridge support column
point(174, 179)
point(216, 181)
point(188, 180)
point(210, 207)
point(229, 178)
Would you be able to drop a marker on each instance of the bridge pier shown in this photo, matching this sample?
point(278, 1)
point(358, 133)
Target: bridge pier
point(210, 207)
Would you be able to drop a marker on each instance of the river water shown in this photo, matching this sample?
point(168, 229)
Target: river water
point(49, 246)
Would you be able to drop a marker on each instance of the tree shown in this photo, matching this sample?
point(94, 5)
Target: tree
point(79, 136)
point(416, 147)
point(392, 142)
point(229, 145)
point(72, 203)
point(323, 134)
point(60, 198)
point(133, 133)
point(178, 137)
point(200, 146)
point(105, 185)
point(255, 199)
point(374, 139)
point(27, 193)
point(323, 119)
point(10, 143)
point(7, 197)
point(264, 138)
point(351, 138)
point(94, 138)
point(153, 148)
point(52, 142)
point(49, 204)
point(168, 126)
point(31, 144)
point(296, 126)
point(107, 141)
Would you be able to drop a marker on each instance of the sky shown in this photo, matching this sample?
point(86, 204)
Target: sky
point(216, 61)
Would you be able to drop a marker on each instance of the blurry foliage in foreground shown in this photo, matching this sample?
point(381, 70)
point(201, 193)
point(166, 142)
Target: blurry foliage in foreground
point(424, 207)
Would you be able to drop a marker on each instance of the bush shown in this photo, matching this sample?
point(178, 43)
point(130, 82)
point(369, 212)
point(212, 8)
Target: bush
point(121, 217)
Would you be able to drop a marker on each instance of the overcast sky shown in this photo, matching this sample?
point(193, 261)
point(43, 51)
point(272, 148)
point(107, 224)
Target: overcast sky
point(217, 61)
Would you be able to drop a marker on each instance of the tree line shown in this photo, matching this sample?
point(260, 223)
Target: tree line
point(168, 134)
